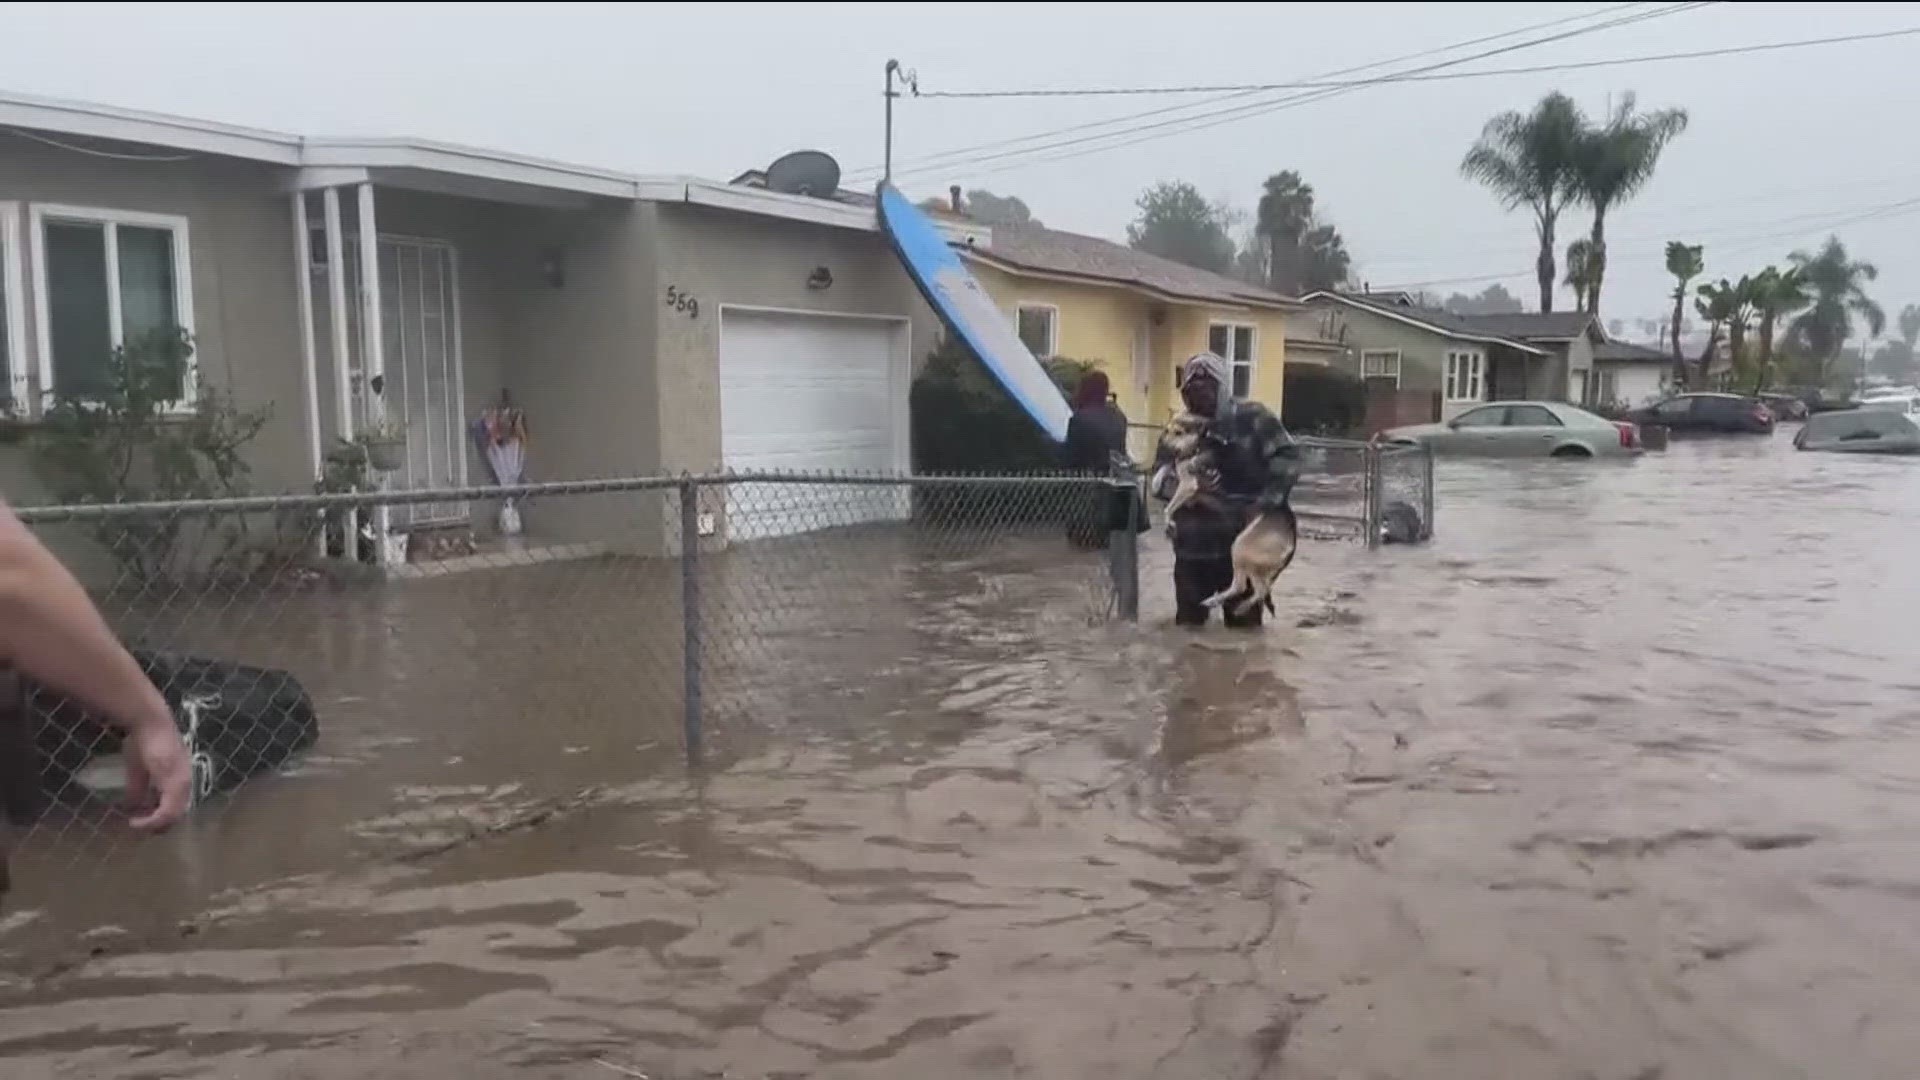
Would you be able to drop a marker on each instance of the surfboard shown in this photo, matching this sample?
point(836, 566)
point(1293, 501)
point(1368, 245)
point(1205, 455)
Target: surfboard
point(967, 311)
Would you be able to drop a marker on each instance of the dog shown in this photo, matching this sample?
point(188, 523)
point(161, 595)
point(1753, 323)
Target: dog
point(1262, 551)
point(1184, 436)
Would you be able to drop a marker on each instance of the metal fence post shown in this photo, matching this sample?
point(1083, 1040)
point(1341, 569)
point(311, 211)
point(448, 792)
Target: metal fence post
point(1373, 483)
point(1126, 556)
point(690, 636)
point(1426, 493)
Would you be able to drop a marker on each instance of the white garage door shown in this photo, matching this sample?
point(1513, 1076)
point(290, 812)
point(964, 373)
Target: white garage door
point(813, 394)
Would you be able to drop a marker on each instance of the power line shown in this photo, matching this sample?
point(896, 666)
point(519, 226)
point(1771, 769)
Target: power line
point(1574, 65)
point(959, 152)
point(1158, 129)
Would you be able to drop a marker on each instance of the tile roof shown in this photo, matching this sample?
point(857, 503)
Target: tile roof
point(1051, 251)
point(1444, 322)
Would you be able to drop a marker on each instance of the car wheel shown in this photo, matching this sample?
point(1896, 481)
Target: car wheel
point(1572, 452)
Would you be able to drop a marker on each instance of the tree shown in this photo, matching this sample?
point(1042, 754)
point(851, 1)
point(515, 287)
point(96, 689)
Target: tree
point(1492, 300)
point(1302, 253)
point(1836, 289)
point(1580, 270)
point(1719, 304)
point(1611, 164)
point(1774, 293)
point(1685, 262)
point(1526, 159)
point(1176, 222)
point(1910, 325)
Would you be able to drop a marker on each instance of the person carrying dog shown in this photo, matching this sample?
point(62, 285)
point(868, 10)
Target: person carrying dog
point(1254, 466)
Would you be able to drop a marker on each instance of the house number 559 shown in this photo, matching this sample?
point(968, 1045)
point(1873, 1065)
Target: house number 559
point(680, 301)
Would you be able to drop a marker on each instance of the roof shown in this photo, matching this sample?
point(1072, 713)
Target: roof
point(1034, 250)
point(423, 164)
point(1534, 325)
point(1626, 352)
point(1440, 322)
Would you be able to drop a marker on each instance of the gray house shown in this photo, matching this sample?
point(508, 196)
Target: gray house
point(1569, 337)
point(645, 324)
point(1423, 365)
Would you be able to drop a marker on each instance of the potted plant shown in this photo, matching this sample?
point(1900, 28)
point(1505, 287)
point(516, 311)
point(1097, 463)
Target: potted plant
point(385, 441)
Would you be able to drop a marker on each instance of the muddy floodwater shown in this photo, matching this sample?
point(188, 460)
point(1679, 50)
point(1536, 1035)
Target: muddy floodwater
point(1618, 778)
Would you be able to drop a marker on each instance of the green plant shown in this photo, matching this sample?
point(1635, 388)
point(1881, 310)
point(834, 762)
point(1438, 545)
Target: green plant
point(1685, 262)
point(1526, 159)
point(964, 422)
point(126, 440)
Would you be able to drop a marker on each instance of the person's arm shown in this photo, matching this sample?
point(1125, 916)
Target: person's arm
point(50, 630)
point(1161, 481)
point(1280, 454)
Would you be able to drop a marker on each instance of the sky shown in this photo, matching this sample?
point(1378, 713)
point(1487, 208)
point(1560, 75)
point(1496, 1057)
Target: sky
point(1782, 146)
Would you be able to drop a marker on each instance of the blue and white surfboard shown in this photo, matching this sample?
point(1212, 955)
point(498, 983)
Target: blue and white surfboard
point(968, 311)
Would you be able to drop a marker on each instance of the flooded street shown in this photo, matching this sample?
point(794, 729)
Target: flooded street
point(1612, 780)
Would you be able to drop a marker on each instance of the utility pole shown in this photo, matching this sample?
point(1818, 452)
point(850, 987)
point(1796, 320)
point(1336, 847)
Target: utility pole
point(911, 81)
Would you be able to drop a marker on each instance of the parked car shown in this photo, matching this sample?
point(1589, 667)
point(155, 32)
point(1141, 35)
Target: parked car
point(1900, 399)
point(1785, 406)
point(1861, 431)
point(1704, 414)
point(1523, 429)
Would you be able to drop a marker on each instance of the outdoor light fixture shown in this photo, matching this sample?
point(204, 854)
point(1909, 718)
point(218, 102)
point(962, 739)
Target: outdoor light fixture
point(821, 278)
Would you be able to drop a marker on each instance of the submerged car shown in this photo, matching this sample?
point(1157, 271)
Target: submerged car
point(1899, 399)
point(1708, 414)
point(1861, 431)
point(1523, 429)
point(1785, 406)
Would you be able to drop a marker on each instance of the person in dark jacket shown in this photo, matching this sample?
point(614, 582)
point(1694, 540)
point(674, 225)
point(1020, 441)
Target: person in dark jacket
point(1255, 466)
point(1096, 434)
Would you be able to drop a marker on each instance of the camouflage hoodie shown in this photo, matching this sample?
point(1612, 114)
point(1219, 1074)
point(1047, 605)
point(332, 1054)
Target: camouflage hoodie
point(1258, 463)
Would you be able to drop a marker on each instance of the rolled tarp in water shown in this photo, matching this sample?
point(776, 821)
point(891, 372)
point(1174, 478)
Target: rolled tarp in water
point(969, 312)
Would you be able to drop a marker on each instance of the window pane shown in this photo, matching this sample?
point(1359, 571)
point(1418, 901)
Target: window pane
point(6, 360)
point(1242, 380)
point(1219, 341)
point(147, 296)
point(1036, 331)
point(1479, 418)
point(1531, 416)
point(77, 307)
point(1243, 343)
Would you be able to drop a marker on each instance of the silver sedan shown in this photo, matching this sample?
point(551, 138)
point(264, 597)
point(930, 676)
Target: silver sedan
point(1523, 429)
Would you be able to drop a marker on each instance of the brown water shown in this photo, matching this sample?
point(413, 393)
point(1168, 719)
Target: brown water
point(1617, 778)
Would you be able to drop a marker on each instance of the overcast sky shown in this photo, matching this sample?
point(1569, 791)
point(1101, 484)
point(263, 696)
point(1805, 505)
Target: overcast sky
point(1781, 145)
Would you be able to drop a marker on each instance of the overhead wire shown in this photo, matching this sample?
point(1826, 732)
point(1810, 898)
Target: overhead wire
point(1201, 121)
point(1163, 110)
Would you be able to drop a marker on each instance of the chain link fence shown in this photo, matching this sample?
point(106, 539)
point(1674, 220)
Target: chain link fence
point(421, 689)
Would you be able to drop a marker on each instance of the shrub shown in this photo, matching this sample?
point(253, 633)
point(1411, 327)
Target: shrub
point(963, 422)
point(124, 443)
point(1323, 401)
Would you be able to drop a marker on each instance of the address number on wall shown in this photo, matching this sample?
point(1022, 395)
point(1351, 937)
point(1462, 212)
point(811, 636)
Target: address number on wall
point(678, 300)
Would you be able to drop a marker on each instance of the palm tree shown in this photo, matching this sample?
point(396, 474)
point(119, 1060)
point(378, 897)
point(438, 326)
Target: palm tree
point(1685, 262)
point(1579, 271)
point(1526, 159)
point(1720, 305)
point(1910, 326)
point(1836, 290)
point(1776, 293)
point(1612, 163)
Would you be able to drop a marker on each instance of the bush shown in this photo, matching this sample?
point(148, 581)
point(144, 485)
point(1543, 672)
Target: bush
point(1323, 401)
point(963, 422)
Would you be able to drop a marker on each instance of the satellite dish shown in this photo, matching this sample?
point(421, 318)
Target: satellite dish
point(805, 172)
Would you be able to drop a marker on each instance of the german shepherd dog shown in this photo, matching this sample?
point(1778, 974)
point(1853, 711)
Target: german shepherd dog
point(1262, 551)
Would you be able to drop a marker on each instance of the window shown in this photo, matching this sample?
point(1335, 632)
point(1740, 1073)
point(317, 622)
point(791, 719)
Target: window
point(1381, 365)
point(1039, 326)
point(1606, 388)
point(13, 325)
point(1465, 377)
point(1493, 416)
point(103, 278)
point(1532, 416)
point(1674, 408)
point(1233, 342)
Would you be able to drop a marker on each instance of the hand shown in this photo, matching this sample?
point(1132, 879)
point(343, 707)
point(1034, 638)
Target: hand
point(159, 775)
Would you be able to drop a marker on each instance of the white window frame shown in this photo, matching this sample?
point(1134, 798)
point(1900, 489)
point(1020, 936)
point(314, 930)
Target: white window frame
point(1381, 354)
point(1053, 326)
point(38, 216)
point(1468, 381)
point(1251, 363)
point(13, 297)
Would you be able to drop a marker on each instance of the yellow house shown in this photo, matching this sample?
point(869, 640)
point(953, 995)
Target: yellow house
point(1133, 315)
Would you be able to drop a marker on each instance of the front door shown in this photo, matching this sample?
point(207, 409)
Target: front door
point(424, 385)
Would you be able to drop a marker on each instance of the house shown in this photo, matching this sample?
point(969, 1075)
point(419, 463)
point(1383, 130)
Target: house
point(1629, 374)
point(646, 325)
point(1569, 338)
point(1420, 364)
point(1135, 316)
